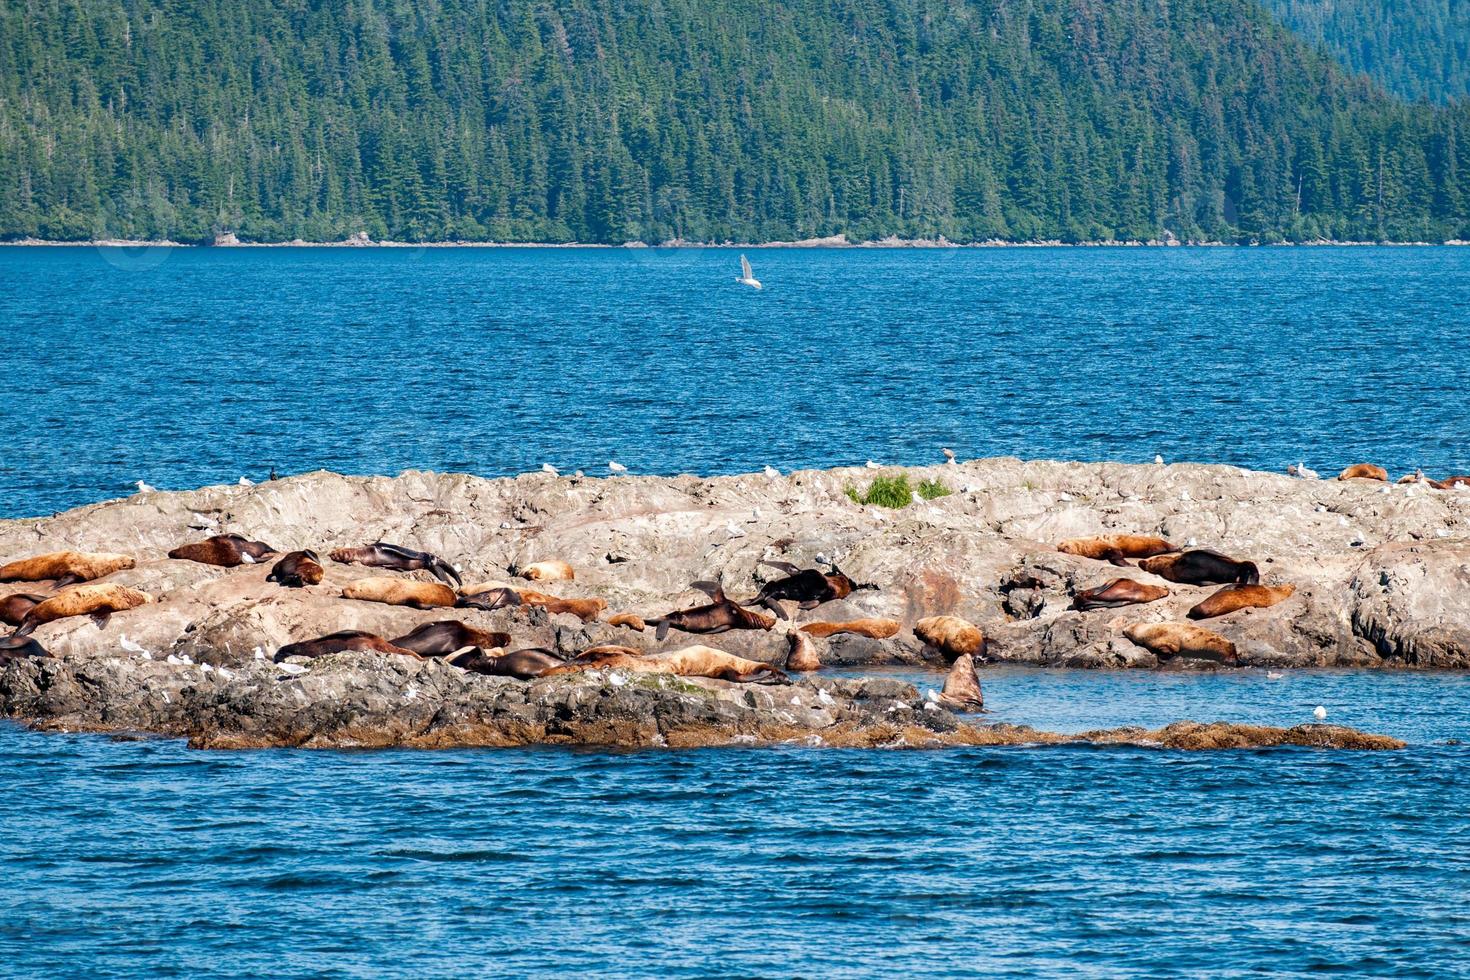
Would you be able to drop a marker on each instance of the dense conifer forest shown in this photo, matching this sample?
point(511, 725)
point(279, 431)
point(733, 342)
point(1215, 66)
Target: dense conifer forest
point(708, 120)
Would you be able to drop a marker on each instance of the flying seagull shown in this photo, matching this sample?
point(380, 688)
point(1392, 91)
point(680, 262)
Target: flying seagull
point(747, 278)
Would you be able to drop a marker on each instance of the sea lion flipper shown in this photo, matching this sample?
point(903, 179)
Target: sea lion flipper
point(66, 580)
point(775, 606)
point(663, 630)
point(444, 572)
point(100, 618)
point(783, 566)
point(711, 589)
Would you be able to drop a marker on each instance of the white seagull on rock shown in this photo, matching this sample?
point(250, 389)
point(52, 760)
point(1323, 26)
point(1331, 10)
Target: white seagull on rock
point(772, 471)
point(948, 454)
point(145, 488)
point(613, 466)
point(1301, 472)
point(548, 468)
point(1320, 713)
point(747, 278)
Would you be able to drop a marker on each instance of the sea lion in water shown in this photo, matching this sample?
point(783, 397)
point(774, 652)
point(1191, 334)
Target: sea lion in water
point(65, 567)
point(20, 648)
point(951, 636)
point(1114, 548)
point(962, 687)
point(809, 587)
point(695, 661)
point(629, 620)
point(489, 599)
point(397, 558)
point(544, 571)
point(13, 608)
point(338, 643)
point(525, 664)
point(801, 654)
point(1118, 592)
point(224, 550)
point(719, 616)
point(401, 592)
point(1364, 471)
point(298, 569)
point(1233, 597)
point(877, 629)
point(1170, 640)
point(97, 599)
point(1202, 567)
point(446, 636)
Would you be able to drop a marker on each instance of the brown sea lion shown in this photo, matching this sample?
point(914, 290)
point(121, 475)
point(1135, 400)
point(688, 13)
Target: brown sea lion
point(1170, 640)
point(1450, 483)
point(65, 567)
point(489, 599)
point(1118, 592)
point(544, 571)
point(801, 653)
point(97, 599)
point(444, 637)
point(338, 643)
point(629, 620)
point(695, 661)
point(1233, 597)
point(298, 569)
point(1364, 471)
point(952, 636)
point(962, 687)
point(397, 558)
point(720, 615)
point(401, 592)
point(1201, 567)
point(808, 588)
point(224, 550)
point(587, 610)
point(877, 629)
point(20, 648)
point(1114, 548)
point(525, 664)
point(13, 608)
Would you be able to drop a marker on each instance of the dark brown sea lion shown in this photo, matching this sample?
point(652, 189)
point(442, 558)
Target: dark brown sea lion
point(65, 567)
point(808, 587)
point(401, 592)
point(338, 643)
point(801, 653)
point(380, 554)
point(13, 608)
point(1170, 640)
point(298, 569)
point(962, 687)
point(1118, 592)
point(1114, 548)
point(1234, 597)
point(96, 599)
point(489, 600)
point(695, 661)
point(224, 550)
point(526, 664)
point(446, 636)
point(19, 648)
point(952, 636)
point(1201, 567)
point(719, 616)
point(1364, 471)
point(1450, 483)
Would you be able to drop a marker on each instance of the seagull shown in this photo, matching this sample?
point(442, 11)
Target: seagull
point(873, 466)
point(245, 481)
point(291, 668)
point(613, 466)
point(145, 488)
point(1320, 713)
point(948, 454)
point(129, 645)
point(1158, 460)
point(1301, 472)
point(548, 468)
point(772, 471)
point(747, 278)
point(1274, 675)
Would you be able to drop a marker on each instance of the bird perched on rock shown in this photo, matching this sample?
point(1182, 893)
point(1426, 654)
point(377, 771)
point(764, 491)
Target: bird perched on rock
point(1301, 472)
point(1158, 460)
point(145, 488)
point(1320, 713)
point(772, 471)
point(245, 481)
point(613, 466)
point(548, 468)
point(873, 466)
point(948, 454)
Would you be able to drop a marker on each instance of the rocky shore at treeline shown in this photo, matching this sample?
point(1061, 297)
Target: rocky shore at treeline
point(1378, 569)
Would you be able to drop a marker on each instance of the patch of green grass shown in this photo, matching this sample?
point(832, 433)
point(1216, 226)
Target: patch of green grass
point(933, 489)
point(884, 491)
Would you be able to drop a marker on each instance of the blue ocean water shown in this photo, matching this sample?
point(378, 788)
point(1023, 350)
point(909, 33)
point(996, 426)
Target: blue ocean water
point(144, 859)
point(183, 367)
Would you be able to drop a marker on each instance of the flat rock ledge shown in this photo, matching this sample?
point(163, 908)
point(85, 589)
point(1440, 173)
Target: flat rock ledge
point(368, 700)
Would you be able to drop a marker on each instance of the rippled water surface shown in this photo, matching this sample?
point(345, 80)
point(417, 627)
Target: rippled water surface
point(196, 366)
point(145, 859)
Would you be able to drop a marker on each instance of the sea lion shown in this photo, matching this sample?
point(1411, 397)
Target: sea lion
point(97, 599)
point(224, 550)
point(444, 637)
point(629, 620)
point(20, 648)
point(525, 664)
point(1170, 640)
point(401, 592)
point(298, 569)
point(338, 643)
point(809, 587)
point(962, 687)
point(877, 629)
point(695, 661)
point(1202, 567)
point(544, 571)
point(801, 654)
point(1450, 483)
point(587, 610)
point(1364, 471)
point(1118, 592)
point(720, 615)
point(489, 599)
point(397, 558)
point(951, 636)
point(65, 567)
point(1114, 548)
point(13, 608)
point(1233, 597)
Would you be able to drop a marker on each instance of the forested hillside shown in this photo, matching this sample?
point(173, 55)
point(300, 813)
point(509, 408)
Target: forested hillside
point(1417, 48)
point(615, 120)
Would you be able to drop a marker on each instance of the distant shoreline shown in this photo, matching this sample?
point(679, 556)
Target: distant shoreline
point(834, 241)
